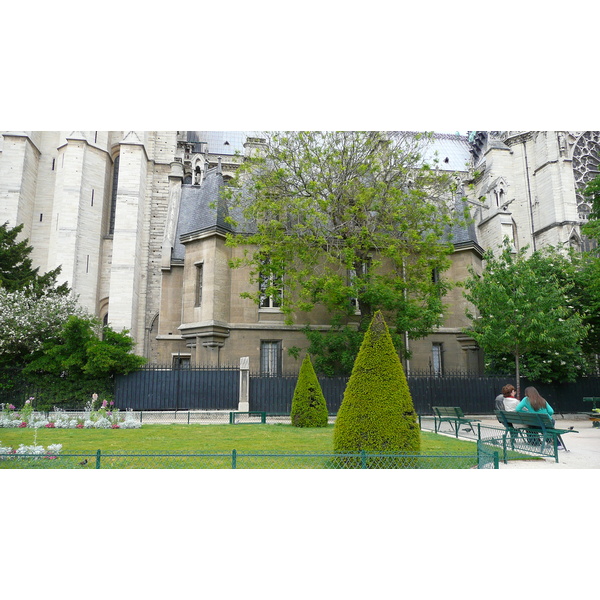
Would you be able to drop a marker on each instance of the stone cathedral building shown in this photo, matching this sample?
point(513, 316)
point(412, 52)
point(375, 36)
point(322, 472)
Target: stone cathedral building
point(135, 222)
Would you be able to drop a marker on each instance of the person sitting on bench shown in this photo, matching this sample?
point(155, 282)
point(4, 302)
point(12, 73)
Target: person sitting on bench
point(533, 402)
point(499, 401)
point(510, 400)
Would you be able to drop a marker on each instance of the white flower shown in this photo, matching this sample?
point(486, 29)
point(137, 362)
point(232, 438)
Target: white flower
point(5, 450)
point(22, 449)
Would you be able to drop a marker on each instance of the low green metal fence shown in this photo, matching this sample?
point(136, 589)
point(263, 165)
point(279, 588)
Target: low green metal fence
point(510, 446)
point(483, 458)
point(184, 417)
point(488, 455)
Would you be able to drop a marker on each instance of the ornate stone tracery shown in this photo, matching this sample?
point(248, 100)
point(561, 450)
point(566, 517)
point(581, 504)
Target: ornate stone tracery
point(586, 161)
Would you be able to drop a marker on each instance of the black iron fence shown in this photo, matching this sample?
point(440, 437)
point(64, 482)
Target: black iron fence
point(207, 388)
point(160, 388)
point(157, 387)
point(475, 394)
point(274, 394)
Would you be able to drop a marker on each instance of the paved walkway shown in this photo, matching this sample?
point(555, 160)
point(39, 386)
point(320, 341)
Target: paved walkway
point(583, 448)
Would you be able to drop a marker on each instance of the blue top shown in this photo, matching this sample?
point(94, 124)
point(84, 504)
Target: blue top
point(524, 405)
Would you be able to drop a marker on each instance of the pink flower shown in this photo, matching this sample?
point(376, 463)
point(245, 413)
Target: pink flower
point(23, 424)
point(51, 425)
point(11, 407)
point(79, 425)
point(115, 426)
point(28, 401)
point(112, 403)
point(104, 403)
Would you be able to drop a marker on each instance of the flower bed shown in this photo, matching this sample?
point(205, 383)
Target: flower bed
point(31, 451)
point(106, 417)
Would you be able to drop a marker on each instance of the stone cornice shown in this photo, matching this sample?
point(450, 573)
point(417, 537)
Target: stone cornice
point(82, 138)
point(555, 224)
point(462, 246)
point(519, 138)
point(132, 139)
point(24, 134)
point(203, 233)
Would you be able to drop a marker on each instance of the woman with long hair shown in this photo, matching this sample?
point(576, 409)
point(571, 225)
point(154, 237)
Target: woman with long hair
point(533, 402)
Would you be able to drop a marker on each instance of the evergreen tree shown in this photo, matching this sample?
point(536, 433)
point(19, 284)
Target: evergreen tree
point(377, 412)
point(309, 408)
point(16, 269)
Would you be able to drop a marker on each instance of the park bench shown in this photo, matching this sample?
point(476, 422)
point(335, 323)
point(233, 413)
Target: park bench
point(452, 415)
point(536, 430)
point(594, 417)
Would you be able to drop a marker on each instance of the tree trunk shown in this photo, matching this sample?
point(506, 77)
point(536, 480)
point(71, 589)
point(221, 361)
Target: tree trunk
point(518, 374)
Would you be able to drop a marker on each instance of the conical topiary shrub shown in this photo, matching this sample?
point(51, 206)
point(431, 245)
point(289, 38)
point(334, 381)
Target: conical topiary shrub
point(309, 408)
point(377, 413)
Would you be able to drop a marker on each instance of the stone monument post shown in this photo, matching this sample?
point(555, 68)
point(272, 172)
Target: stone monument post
point(244, 400)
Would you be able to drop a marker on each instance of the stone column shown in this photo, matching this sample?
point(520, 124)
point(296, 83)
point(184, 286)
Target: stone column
point(175, 181)
point(128, 261)
point(18, 180)
point(244, 402)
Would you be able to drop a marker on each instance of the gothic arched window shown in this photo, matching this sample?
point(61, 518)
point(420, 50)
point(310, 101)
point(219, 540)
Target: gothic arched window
point(586, 161)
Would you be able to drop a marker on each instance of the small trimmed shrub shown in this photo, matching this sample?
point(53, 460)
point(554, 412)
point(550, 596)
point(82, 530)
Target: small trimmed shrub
point(377, 413)
point(309, 408)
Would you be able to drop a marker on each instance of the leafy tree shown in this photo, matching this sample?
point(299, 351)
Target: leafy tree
point(16, 269)
point(526, 321)
point(351, 221)
point(45, 334)
point(377, 412)
point(587, 297)
point(588, 280)
point(82, 361)
point(592, 193)
point(309, 408)
point(28, 319)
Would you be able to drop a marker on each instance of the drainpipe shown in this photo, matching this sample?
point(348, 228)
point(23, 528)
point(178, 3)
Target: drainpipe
point(529, 194)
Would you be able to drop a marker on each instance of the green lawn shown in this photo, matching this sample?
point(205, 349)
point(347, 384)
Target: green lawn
point(174, 439)
point(209, 439)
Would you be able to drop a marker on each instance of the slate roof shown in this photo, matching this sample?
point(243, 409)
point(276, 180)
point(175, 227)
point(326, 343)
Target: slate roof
point(197, 215)
point(196, 210)
point(453, 151)
point(222, 142)
point(464, 236)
